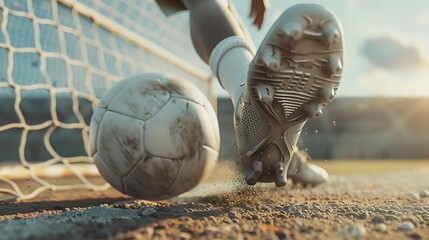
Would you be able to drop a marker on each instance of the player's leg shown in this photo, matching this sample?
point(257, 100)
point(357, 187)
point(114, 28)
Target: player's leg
point(213, 25)
point(210, 22)
point(265, 136)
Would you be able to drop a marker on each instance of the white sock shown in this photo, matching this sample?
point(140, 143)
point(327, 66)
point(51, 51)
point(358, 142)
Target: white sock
point(229, 61)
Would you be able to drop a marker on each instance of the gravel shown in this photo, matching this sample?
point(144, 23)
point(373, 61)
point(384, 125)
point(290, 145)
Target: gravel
point(356, 231)
point(380, 227)
point(377, 219)
point(344, 208)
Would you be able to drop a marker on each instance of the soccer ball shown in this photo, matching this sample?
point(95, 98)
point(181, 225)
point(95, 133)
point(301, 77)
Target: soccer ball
point(154, 136)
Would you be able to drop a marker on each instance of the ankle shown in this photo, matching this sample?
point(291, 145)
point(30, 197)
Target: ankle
point(229, 61)
point(224, 47)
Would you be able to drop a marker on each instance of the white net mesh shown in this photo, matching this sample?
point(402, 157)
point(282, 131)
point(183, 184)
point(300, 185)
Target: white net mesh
point(57, 58)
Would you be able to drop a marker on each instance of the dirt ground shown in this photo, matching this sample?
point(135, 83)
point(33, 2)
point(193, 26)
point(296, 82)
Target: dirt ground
point(385, 204)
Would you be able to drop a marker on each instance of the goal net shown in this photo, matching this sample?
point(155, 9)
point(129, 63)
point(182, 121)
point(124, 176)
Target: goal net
point(57, 58)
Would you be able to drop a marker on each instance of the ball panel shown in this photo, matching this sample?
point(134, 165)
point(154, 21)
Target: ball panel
point(214, 124)
point(96, 119)
point(120, 142)
point(208, 127)
point(141, 99)
point(151, 179)
point(158, 137)
point(177, 130)
point(183, 89)
point(194, 170)
point(107, 97)
point(210, 156)
point(108, 173)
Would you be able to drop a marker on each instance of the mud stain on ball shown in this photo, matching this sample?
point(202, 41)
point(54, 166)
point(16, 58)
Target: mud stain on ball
point(133, 142)
point(133, 107)
point(173, 87)
point(189, 130)
point(130, 148)
point(126, 150)
point(156, 86)
point(152, 178)
point(150, 87)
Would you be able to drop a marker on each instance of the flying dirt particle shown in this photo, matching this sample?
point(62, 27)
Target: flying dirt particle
point(243, 195)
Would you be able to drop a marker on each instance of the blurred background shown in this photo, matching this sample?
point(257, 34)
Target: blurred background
point(354, 128)
point(382, 107)
point(387, 51)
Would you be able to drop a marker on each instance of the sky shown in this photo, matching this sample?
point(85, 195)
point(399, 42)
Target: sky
point(387, 44)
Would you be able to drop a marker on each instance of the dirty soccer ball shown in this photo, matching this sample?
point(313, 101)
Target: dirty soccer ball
point(154, 136)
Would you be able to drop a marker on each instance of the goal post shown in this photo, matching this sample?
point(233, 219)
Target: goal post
point(57, 58)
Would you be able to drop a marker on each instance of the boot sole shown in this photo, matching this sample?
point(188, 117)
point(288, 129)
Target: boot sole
point(294, 75)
